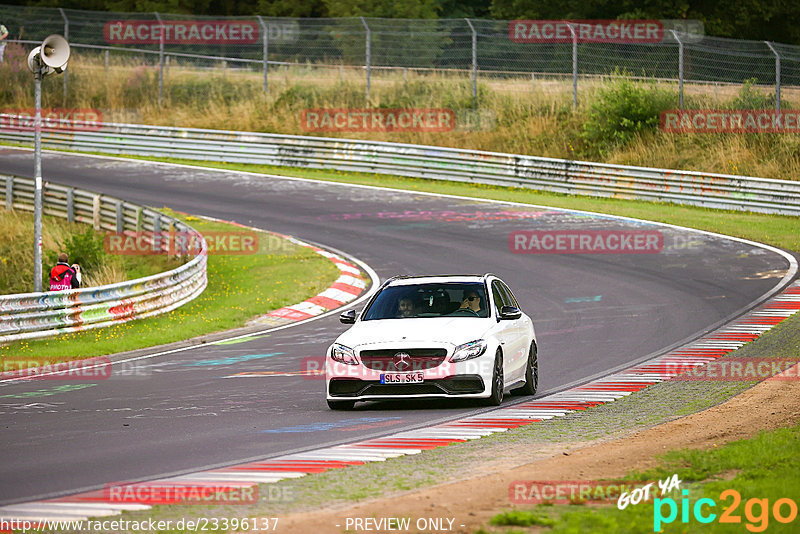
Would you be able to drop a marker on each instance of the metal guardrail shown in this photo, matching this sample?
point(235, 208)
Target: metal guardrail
point(711, 190)
point(36, 315)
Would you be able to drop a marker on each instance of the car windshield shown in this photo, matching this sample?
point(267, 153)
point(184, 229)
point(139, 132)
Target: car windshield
point(465, 299)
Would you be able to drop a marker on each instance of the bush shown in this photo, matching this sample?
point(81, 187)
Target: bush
point(622, 111)
point(85, 249)
point(750, 97)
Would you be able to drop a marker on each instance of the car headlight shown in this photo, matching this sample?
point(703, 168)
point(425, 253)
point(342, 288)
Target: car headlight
point(467, 351)
point(343, 354)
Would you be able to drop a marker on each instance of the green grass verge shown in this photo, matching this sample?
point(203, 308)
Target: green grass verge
point(765, 468)
point(776, 230)
point(239, 287)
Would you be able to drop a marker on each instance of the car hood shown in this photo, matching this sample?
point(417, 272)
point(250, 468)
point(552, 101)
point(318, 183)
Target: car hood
point(455, 330)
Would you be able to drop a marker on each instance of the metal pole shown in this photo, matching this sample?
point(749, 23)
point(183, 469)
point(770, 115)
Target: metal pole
point(37, 175)
point(66, 72)
point(680, 67)
point(777, 78)
point(369, 54)
point(574, 67)
point(160, 59)
point(474, 64)
point(266, 49)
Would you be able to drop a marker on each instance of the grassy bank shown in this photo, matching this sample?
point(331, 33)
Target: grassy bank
point(240, 287)
point(616, 120)
point(83, 245)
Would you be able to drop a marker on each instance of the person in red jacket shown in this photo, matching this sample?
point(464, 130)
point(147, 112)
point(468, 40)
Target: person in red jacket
point(65, 276)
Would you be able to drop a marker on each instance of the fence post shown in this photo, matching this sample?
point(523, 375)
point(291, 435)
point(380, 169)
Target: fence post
point(66, 72)
point(680, 67)
point(533, 81)
point(156, 232)
point(574, 66)
point(96, 212)
point(368, 54)
point(266, 49)
point(777, 79)
point(474, 64)
point(120, 218)
point(106, 58)
point(160, 58)
point(9, 193)
point(70, 205)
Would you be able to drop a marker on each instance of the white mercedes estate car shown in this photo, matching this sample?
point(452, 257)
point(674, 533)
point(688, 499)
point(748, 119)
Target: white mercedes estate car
point(434, 337)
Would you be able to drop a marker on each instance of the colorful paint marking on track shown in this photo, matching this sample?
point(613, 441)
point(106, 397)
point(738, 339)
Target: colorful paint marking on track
point(607, 389)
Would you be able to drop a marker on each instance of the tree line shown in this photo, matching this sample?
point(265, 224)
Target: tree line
point(772, 20)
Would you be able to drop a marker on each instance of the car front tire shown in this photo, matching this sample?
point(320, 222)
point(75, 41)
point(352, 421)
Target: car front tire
point(531, 374)
point(496, 398)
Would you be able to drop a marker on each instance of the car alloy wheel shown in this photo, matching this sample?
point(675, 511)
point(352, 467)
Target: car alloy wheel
point(496, 398)
point(531, 374)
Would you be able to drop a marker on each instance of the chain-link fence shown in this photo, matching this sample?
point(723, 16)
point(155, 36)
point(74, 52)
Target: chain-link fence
point(470, 48)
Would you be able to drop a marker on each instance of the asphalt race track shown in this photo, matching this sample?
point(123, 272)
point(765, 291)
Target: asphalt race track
point(593, 312)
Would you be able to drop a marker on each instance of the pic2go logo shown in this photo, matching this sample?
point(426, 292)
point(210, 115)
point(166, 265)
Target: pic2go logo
point(756, 511)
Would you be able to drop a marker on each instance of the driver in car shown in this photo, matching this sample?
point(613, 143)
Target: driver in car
point(471, 302)
point(405, 308)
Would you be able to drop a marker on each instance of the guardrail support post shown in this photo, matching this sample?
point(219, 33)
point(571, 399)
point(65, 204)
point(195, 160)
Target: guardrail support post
point(680, 67)
point(70, 205)
point(96, 212)
point(777, 78)
point(574, 66)
point(266, 49)
point(66, 72)
point(120, 219)
point(156, 232)
point(368, 54)
point(160, 59)
point(474, 64)
point(9, 193)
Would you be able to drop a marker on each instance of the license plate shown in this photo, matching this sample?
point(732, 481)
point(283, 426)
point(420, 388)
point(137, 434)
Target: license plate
point(401, 378)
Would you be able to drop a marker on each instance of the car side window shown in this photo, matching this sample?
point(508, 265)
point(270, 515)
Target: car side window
point(509, 295)
point(500, 299)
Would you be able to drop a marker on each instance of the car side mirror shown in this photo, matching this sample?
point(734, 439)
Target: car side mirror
point(510, 313)
point(348, 317)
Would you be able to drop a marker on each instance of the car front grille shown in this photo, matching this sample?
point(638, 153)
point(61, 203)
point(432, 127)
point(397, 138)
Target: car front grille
point(386, 359)
point(348, 387)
